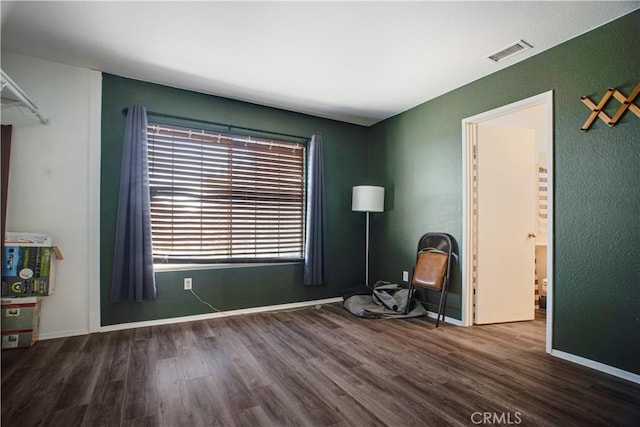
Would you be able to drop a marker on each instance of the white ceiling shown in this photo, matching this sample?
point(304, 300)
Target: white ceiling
point(358, 62)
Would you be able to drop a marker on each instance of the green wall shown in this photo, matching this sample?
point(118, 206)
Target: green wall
point(417, 157)
point(235, 287)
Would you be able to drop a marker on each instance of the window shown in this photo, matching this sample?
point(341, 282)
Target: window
point(219, 197)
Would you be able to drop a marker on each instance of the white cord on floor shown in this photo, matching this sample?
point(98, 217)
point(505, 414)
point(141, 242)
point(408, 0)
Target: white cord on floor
point(204, 302)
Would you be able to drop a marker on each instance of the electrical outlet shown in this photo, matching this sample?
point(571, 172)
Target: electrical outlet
point(405, 276)
point(187, 283)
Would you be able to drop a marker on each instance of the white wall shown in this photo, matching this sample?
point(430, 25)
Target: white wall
point(529, 118)
point(54, 183)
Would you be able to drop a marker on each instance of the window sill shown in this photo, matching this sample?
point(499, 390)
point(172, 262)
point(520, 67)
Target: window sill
point(160, 268)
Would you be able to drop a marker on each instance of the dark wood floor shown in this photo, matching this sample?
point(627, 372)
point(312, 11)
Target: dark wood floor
point(311, 367)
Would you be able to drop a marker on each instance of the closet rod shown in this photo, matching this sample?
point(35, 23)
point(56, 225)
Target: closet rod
point(228, 126)
point(22, 97)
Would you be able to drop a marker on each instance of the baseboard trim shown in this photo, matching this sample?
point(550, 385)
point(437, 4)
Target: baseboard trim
point(62, 334)
point(616, 372)
point(447, 319)
point(206, 316)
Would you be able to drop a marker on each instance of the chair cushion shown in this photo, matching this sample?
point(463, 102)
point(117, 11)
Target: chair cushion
point(430, 270)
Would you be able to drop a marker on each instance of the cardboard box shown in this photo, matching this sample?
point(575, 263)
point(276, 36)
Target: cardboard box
point(18, 339)
point(20, 321)
point(28, 265)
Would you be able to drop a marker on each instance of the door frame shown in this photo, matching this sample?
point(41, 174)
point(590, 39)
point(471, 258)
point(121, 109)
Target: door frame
point(468, 225)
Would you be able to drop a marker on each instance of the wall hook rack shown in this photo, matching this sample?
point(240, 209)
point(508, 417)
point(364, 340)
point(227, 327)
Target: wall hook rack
point(598, 110)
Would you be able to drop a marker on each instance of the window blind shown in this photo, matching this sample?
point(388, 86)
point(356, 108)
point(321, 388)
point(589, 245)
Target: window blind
point(219, 197)
point(543, 204)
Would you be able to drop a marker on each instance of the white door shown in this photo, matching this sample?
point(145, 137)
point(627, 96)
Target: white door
point(506, 209)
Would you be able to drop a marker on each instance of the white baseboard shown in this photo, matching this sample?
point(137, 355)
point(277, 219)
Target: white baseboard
point(168, 321)
point(616, 372)
point(206, 316)
point(62, 334)
point(447, 319)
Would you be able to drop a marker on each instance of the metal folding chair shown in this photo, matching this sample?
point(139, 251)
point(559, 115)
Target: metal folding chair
point(432, 270)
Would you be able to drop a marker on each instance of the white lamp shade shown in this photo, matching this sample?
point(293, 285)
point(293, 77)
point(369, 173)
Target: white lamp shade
point(368, 198)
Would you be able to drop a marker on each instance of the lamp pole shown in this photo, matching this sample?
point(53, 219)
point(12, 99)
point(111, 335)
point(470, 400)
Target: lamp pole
point(367, 198)
point(367, 252)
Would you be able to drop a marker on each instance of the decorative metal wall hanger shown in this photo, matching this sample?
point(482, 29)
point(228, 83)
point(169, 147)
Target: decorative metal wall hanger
point(598, 110)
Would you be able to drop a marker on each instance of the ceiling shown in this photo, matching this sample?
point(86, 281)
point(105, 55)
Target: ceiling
point(359, 62)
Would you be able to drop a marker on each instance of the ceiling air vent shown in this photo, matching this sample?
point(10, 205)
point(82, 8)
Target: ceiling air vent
point(510, 50)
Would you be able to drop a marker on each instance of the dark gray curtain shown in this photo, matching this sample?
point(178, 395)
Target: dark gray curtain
point(133, 277)
point(314, 265)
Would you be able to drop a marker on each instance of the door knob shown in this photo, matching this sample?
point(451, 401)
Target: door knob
point(532, 235)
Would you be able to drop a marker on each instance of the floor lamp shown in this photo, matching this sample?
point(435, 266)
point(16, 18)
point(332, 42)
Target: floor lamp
point(367, 198)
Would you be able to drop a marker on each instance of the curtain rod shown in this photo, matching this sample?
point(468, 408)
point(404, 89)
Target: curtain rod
point(228, 126)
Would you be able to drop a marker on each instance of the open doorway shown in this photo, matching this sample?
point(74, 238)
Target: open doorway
point(536, 115)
